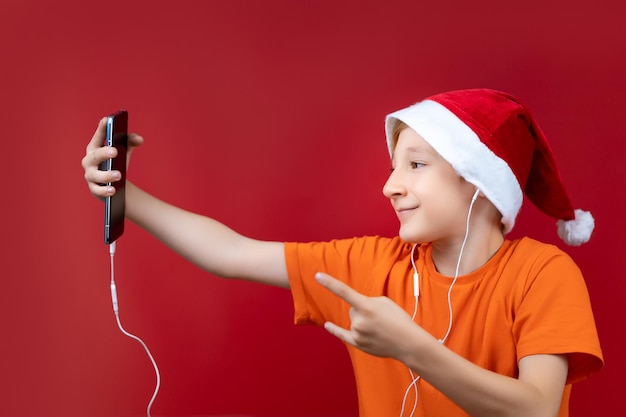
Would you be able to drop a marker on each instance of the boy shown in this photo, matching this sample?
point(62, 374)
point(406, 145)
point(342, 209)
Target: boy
point(449, 318)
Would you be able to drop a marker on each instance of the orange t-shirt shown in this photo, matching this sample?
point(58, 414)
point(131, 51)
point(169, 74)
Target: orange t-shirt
point(529, 298)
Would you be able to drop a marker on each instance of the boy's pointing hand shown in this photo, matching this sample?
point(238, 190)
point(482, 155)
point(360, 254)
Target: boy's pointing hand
point(379, 326)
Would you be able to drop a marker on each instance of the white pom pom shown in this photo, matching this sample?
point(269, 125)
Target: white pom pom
point(578, 231)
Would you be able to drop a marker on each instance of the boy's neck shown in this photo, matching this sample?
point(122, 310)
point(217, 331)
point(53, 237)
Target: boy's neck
point(479, 248)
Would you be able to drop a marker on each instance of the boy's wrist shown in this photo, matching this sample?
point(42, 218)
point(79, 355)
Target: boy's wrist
point(417, 348)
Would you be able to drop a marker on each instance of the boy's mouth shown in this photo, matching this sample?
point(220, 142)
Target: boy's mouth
point(405, 211)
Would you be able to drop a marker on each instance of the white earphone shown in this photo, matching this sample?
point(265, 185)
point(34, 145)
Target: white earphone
point(475, 195)
point(416, 293)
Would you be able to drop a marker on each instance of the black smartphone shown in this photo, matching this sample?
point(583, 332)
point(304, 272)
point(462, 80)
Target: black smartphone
point(114, 206)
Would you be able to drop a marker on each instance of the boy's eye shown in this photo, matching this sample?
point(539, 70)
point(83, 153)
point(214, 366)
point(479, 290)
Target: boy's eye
point(415, 165)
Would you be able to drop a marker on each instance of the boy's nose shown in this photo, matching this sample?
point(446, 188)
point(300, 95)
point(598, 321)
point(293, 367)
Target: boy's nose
point(393, 187)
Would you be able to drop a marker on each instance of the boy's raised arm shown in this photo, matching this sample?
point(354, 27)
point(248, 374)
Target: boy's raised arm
point(203, 241)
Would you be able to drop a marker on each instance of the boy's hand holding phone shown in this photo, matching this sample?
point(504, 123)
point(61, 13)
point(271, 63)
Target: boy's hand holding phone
point(116, 136)
point(103, 170)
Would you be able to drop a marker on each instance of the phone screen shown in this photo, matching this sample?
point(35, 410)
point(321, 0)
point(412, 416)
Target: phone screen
point(114, 206)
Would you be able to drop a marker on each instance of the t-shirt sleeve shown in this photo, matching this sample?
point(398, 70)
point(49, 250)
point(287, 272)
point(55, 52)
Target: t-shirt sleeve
point(555, 316)
point(363, 263)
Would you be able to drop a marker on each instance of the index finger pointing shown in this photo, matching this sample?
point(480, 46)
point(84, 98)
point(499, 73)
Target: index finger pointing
point(340, 289)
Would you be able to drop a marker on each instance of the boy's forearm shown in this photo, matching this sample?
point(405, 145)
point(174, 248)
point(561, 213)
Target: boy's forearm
point(186, 233)
point(481, 392)
point(207, 243)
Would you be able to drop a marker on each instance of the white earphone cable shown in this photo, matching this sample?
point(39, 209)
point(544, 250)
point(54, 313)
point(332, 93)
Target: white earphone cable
point(458, 266)
point(112, 248)
point(415, 378)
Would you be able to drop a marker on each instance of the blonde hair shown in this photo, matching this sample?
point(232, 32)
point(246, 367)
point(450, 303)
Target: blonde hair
point(398, 127)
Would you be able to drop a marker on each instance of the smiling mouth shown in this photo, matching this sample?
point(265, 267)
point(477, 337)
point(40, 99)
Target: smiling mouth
point(405, 211)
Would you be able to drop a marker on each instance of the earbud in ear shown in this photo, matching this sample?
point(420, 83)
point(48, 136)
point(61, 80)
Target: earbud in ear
point(475, 195)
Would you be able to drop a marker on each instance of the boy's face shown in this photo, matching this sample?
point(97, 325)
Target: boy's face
point(429, 197)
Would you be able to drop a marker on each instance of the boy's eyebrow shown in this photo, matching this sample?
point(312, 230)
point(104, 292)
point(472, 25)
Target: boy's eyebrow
point(412, 150)
point(418, 150)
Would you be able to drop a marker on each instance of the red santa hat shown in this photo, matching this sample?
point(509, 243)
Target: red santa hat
point(491, 139)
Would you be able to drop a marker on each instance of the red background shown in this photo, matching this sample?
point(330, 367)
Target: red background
point(268, 116)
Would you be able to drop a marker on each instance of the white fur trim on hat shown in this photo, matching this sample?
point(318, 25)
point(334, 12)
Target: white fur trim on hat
point(463, 149)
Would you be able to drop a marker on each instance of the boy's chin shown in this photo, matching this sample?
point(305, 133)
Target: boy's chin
point(410, 236)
